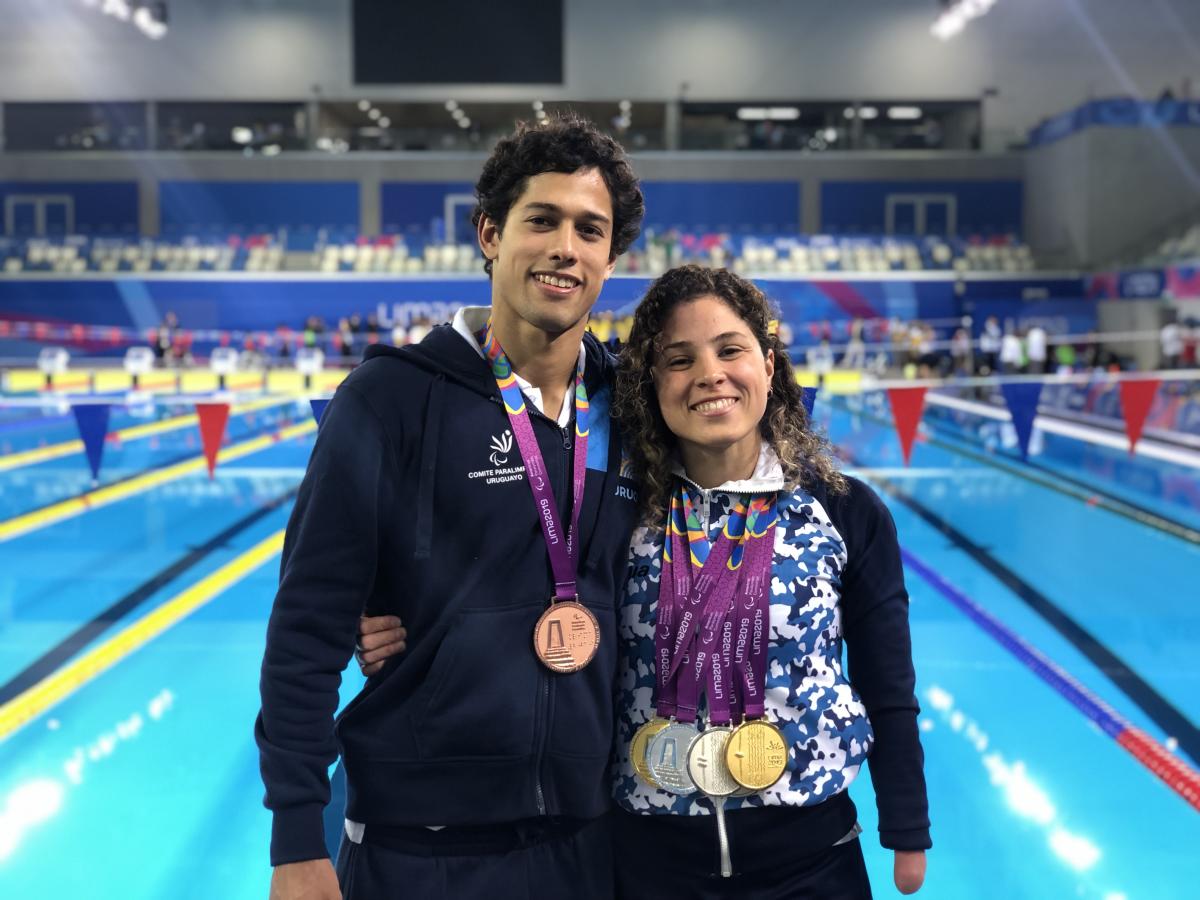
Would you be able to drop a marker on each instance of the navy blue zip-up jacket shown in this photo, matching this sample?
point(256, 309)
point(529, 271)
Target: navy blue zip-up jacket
point(415, 504)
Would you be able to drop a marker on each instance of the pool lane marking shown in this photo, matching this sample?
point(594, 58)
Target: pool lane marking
point(75, 506)
point(66, 448)
point(1157, 708)
point(1174, 772)
point(91, 630)
point(55, 688)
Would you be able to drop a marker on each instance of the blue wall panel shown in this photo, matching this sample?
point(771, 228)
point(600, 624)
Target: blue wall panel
point(257, 206)
point(738, 206)
point(984, 207)
point(101, 207)
point(407, 207)
point(760, 207)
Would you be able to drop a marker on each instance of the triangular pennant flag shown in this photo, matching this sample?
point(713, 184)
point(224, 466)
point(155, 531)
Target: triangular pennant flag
point(318, 408)
point(809, 398)
point(213, 419)
point(92, 421)
point(1136, 400)
point(1022, 399)
point(907, 404)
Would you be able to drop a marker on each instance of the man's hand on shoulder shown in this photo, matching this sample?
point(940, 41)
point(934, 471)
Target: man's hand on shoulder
point(313, 879)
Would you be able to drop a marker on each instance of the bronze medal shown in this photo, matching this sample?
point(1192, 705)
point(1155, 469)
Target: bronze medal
point(639, 746)
point(756, 754)
point(566, 637)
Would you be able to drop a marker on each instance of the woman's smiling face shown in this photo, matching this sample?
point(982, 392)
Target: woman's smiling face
point(712, 378)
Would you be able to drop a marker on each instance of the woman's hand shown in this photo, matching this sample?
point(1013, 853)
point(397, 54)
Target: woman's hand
point(909, 870)
point(379, 638)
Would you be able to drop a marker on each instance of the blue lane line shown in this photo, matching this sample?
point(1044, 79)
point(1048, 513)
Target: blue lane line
point(1109, 720)
point(1159, 709)
point(1174, 772)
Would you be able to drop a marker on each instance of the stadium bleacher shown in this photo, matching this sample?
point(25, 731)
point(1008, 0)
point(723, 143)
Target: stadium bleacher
point(334, 250)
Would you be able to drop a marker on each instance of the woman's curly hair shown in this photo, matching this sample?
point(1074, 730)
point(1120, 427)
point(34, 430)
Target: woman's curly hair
point(805, 455)
point(566, 143)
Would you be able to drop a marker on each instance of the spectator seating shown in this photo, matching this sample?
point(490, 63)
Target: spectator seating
point(334, 250)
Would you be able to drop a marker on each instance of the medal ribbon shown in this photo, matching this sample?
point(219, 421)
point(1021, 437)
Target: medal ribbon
point(752, 609)
point(672, 585)
point(701, 605)
point(561, 548)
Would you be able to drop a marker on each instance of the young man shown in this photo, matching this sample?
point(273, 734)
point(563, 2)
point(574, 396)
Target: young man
point(470, 485)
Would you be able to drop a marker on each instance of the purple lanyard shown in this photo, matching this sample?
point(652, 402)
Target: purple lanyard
point(752, 609)
point(672, 585)
point(562, 549)
point(682, 658)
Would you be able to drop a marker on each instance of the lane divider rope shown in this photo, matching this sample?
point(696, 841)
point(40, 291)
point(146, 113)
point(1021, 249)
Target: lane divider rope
point(1174, 772)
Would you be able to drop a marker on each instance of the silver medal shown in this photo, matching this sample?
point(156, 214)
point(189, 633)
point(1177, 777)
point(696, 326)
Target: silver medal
point(706, 762)
point(668, 757)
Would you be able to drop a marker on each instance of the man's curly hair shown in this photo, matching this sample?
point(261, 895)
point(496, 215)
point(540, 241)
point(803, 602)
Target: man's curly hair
point(805, 455)
point(566, 143)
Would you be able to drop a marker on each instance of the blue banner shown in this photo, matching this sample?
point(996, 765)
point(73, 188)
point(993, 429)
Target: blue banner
point(92, 422)
point(1117, 112)
point(318, 409)
point(1142, 283)
point(810, 398)
point(1022, 399)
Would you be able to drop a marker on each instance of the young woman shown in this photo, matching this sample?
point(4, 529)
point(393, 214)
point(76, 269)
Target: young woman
point(738, 730)
point(731, 689)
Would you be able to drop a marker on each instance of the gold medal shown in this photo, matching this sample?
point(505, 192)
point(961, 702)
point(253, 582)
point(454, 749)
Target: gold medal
point(756, 754)
point(566, 637)
point(639, 746)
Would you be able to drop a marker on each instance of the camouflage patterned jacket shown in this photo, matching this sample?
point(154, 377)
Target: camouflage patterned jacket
point(836, 577)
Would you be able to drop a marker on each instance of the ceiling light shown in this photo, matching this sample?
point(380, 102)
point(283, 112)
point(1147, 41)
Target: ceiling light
point(624, 106)
point(118, 9)
point(538, 105)
point(868, 112)
point(151, 23)
point(459, 115)
point(364, 105)
point(373, 114)
point(385, 122)
point(464, 122)
point(451, 106)
point(772, 113)
point(830, 135)
point(954, 18)
point(241, 135)
point(848, 112)
point(904, 112)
